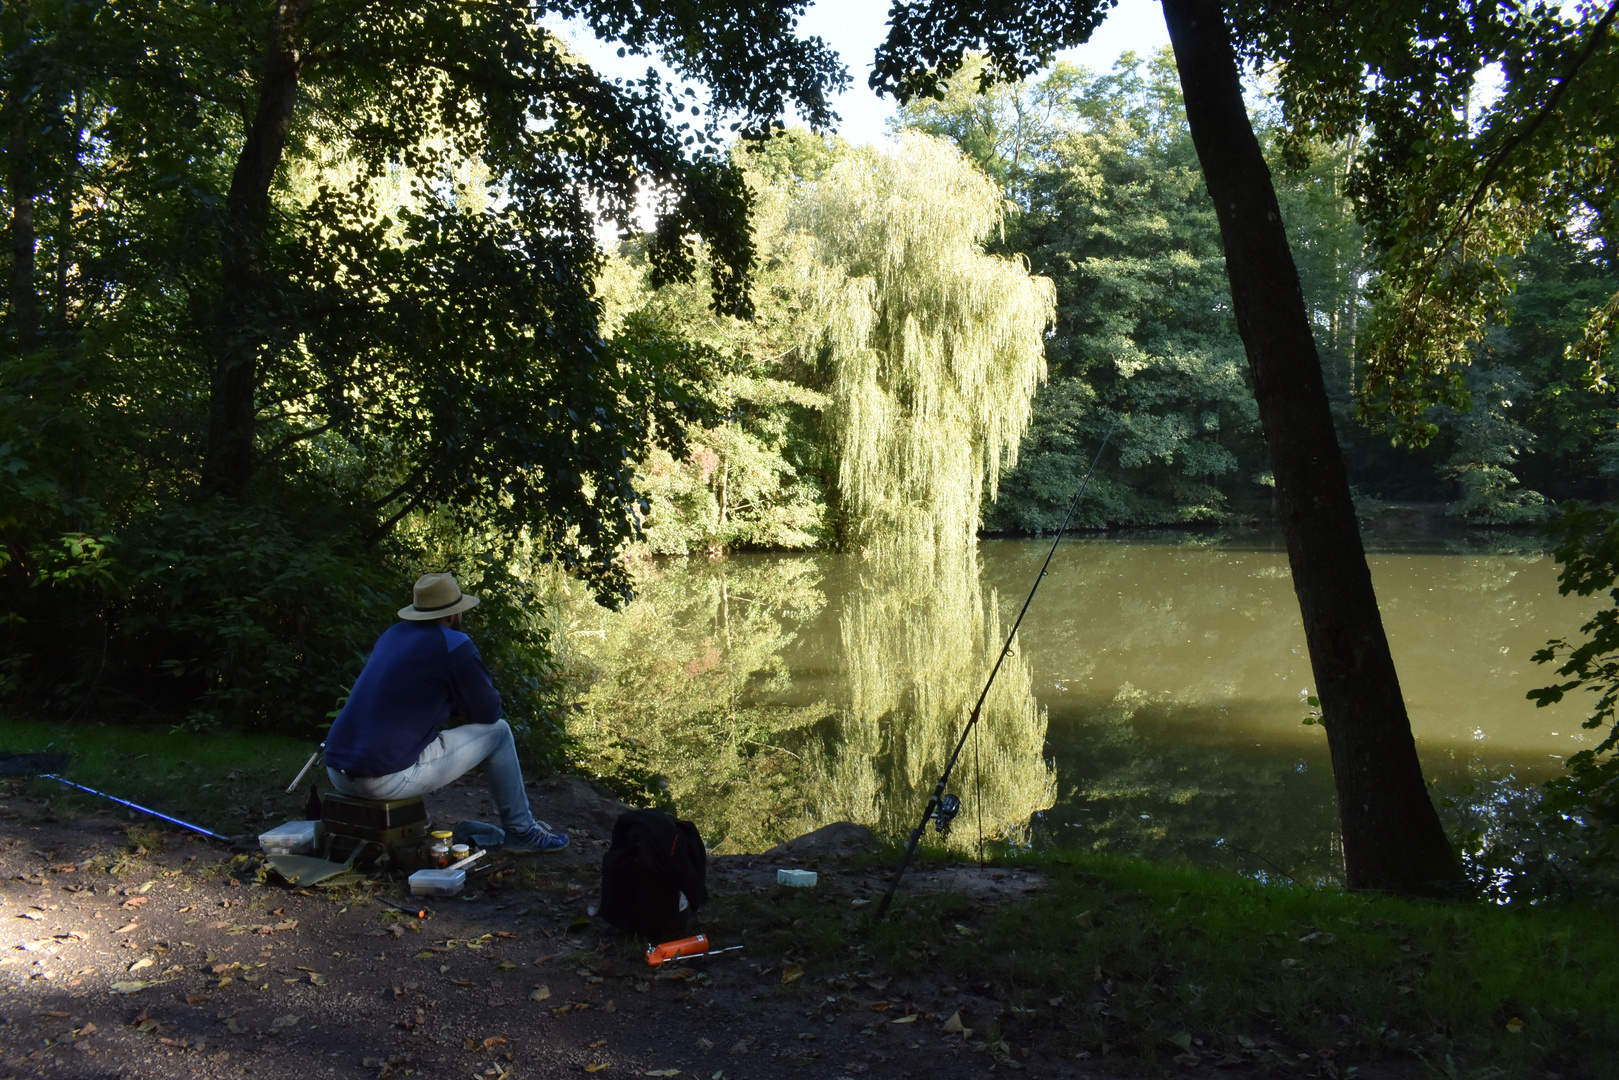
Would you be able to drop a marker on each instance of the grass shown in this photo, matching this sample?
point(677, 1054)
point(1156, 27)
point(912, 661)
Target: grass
point(225, 781)
point(1138, 964)
point(1122, 960)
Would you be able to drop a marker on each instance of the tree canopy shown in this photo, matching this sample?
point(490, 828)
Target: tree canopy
point(325, 269)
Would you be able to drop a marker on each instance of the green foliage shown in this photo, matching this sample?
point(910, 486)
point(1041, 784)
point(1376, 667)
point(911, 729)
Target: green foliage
point(883, 382)
point(1587, 546)
point(301, 303)
point(933, 347)
point(1448, 187)
point(1116, 214)
point(1488, 443)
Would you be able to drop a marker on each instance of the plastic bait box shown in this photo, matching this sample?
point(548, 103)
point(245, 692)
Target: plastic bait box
point(293, 838)
point(437, 882)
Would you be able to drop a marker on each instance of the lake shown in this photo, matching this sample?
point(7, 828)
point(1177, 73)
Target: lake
point(1154, 703)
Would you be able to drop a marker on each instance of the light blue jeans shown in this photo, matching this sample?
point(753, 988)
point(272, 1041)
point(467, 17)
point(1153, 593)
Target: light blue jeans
point(454, 753)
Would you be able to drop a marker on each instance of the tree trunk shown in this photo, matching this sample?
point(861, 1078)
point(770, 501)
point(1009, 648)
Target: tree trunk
point(1392, 838)
point(244, 312)
point(24, 299)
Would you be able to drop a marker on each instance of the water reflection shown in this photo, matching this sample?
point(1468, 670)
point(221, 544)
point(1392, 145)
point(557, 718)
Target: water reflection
point(1154, 707)
point(724, 682)
point(919, 637)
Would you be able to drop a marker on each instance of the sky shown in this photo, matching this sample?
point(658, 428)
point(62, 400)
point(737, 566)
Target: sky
point(854, 28)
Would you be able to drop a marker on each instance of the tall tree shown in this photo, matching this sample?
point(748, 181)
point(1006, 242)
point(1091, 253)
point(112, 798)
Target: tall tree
point(934, 348)
point(385, 232)
point(1391, 835)
point(1113, 211)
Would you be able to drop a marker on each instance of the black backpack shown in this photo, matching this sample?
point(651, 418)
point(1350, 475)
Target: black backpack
point(652, 862)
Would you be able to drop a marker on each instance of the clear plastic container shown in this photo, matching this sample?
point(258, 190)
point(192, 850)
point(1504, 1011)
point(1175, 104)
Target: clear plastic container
point(293, 838)
point(437, 882)
point(801, 879)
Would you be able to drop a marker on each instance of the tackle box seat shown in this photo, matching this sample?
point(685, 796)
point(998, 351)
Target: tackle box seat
point(389, 822)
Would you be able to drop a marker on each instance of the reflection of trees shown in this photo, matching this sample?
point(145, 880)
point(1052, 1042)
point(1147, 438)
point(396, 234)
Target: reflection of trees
point(918, 640)
point(691, 687)
point(685, 692)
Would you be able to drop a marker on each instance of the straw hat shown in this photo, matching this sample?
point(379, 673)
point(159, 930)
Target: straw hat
point(437, 595)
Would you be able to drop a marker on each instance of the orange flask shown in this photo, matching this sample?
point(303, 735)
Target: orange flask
point(657, 955)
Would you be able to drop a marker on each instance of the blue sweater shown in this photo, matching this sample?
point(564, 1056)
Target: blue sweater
point(418, 674)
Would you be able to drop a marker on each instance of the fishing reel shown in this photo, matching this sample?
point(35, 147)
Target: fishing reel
point(945, 813)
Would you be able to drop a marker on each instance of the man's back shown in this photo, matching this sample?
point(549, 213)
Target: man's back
point(418, 673)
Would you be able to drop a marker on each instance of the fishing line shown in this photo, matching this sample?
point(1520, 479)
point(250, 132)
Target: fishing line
point(941, 807)
point(978, 800)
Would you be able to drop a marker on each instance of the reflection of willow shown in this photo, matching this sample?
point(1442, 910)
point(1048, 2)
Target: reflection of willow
point(918, 642)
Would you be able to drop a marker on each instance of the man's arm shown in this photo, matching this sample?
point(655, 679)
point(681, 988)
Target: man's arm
point(471, 688)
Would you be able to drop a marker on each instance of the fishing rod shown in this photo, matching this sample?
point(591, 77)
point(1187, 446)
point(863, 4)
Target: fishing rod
point(943, 807)
point(44, 765)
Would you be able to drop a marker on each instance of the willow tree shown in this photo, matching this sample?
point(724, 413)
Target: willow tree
point(933, 347)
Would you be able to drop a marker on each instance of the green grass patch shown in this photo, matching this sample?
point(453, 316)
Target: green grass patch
point(1137, 964)
point(225, 781)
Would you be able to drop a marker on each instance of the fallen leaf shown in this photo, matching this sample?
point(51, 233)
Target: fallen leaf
point(88, 1029)
point(462, 982)
point(425, 954)
point(1515, 1026)
point(137, 901)
point(57, 1013)
point(953, 1026)
point(663, 1072)
point(879, 1006)
point(541, 993)
point(505, 965)
point(235, 1026)
point(134, 986)
point(493, 1040)
point(143, 962)
point(1320, 937)
point(610, 1007)
point(791, 973)
point(126, 928)
point(284, 1022)
point(597, 1067)
point(1183, 1040)
point(964, 931)
point(316, 979)
point(741, 1047)
point(911, 1019)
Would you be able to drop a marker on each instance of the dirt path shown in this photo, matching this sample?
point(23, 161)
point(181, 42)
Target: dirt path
point(175, 963)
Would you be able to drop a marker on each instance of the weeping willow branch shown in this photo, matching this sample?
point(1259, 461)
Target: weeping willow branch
point(934, 347)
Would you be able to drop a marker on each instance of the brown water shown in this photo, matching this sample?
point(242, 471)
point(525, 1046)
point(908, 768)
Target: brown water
point(1154, 704)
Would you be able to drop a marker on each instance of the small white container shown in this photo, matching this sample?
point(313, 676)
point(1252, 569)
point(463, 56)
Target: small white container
point(293, 838)
point(798, 879)
point(437, 882)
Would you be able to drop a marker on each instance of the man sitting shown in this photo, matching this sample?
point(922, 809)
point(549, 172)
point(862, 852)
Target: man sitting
point(389, 740)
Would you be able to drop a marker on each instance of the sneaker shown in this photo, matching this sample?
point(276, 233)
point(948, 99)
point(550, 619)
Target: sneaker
point(538, 838)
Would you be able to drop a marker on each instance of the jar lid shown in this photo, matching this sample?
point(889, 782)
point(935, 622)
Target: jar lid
point(443, 835)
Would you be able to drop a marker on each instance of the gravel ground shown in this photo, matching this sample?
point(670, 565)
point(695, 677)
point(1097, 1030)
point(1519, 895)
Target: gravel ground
point(176, 963)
